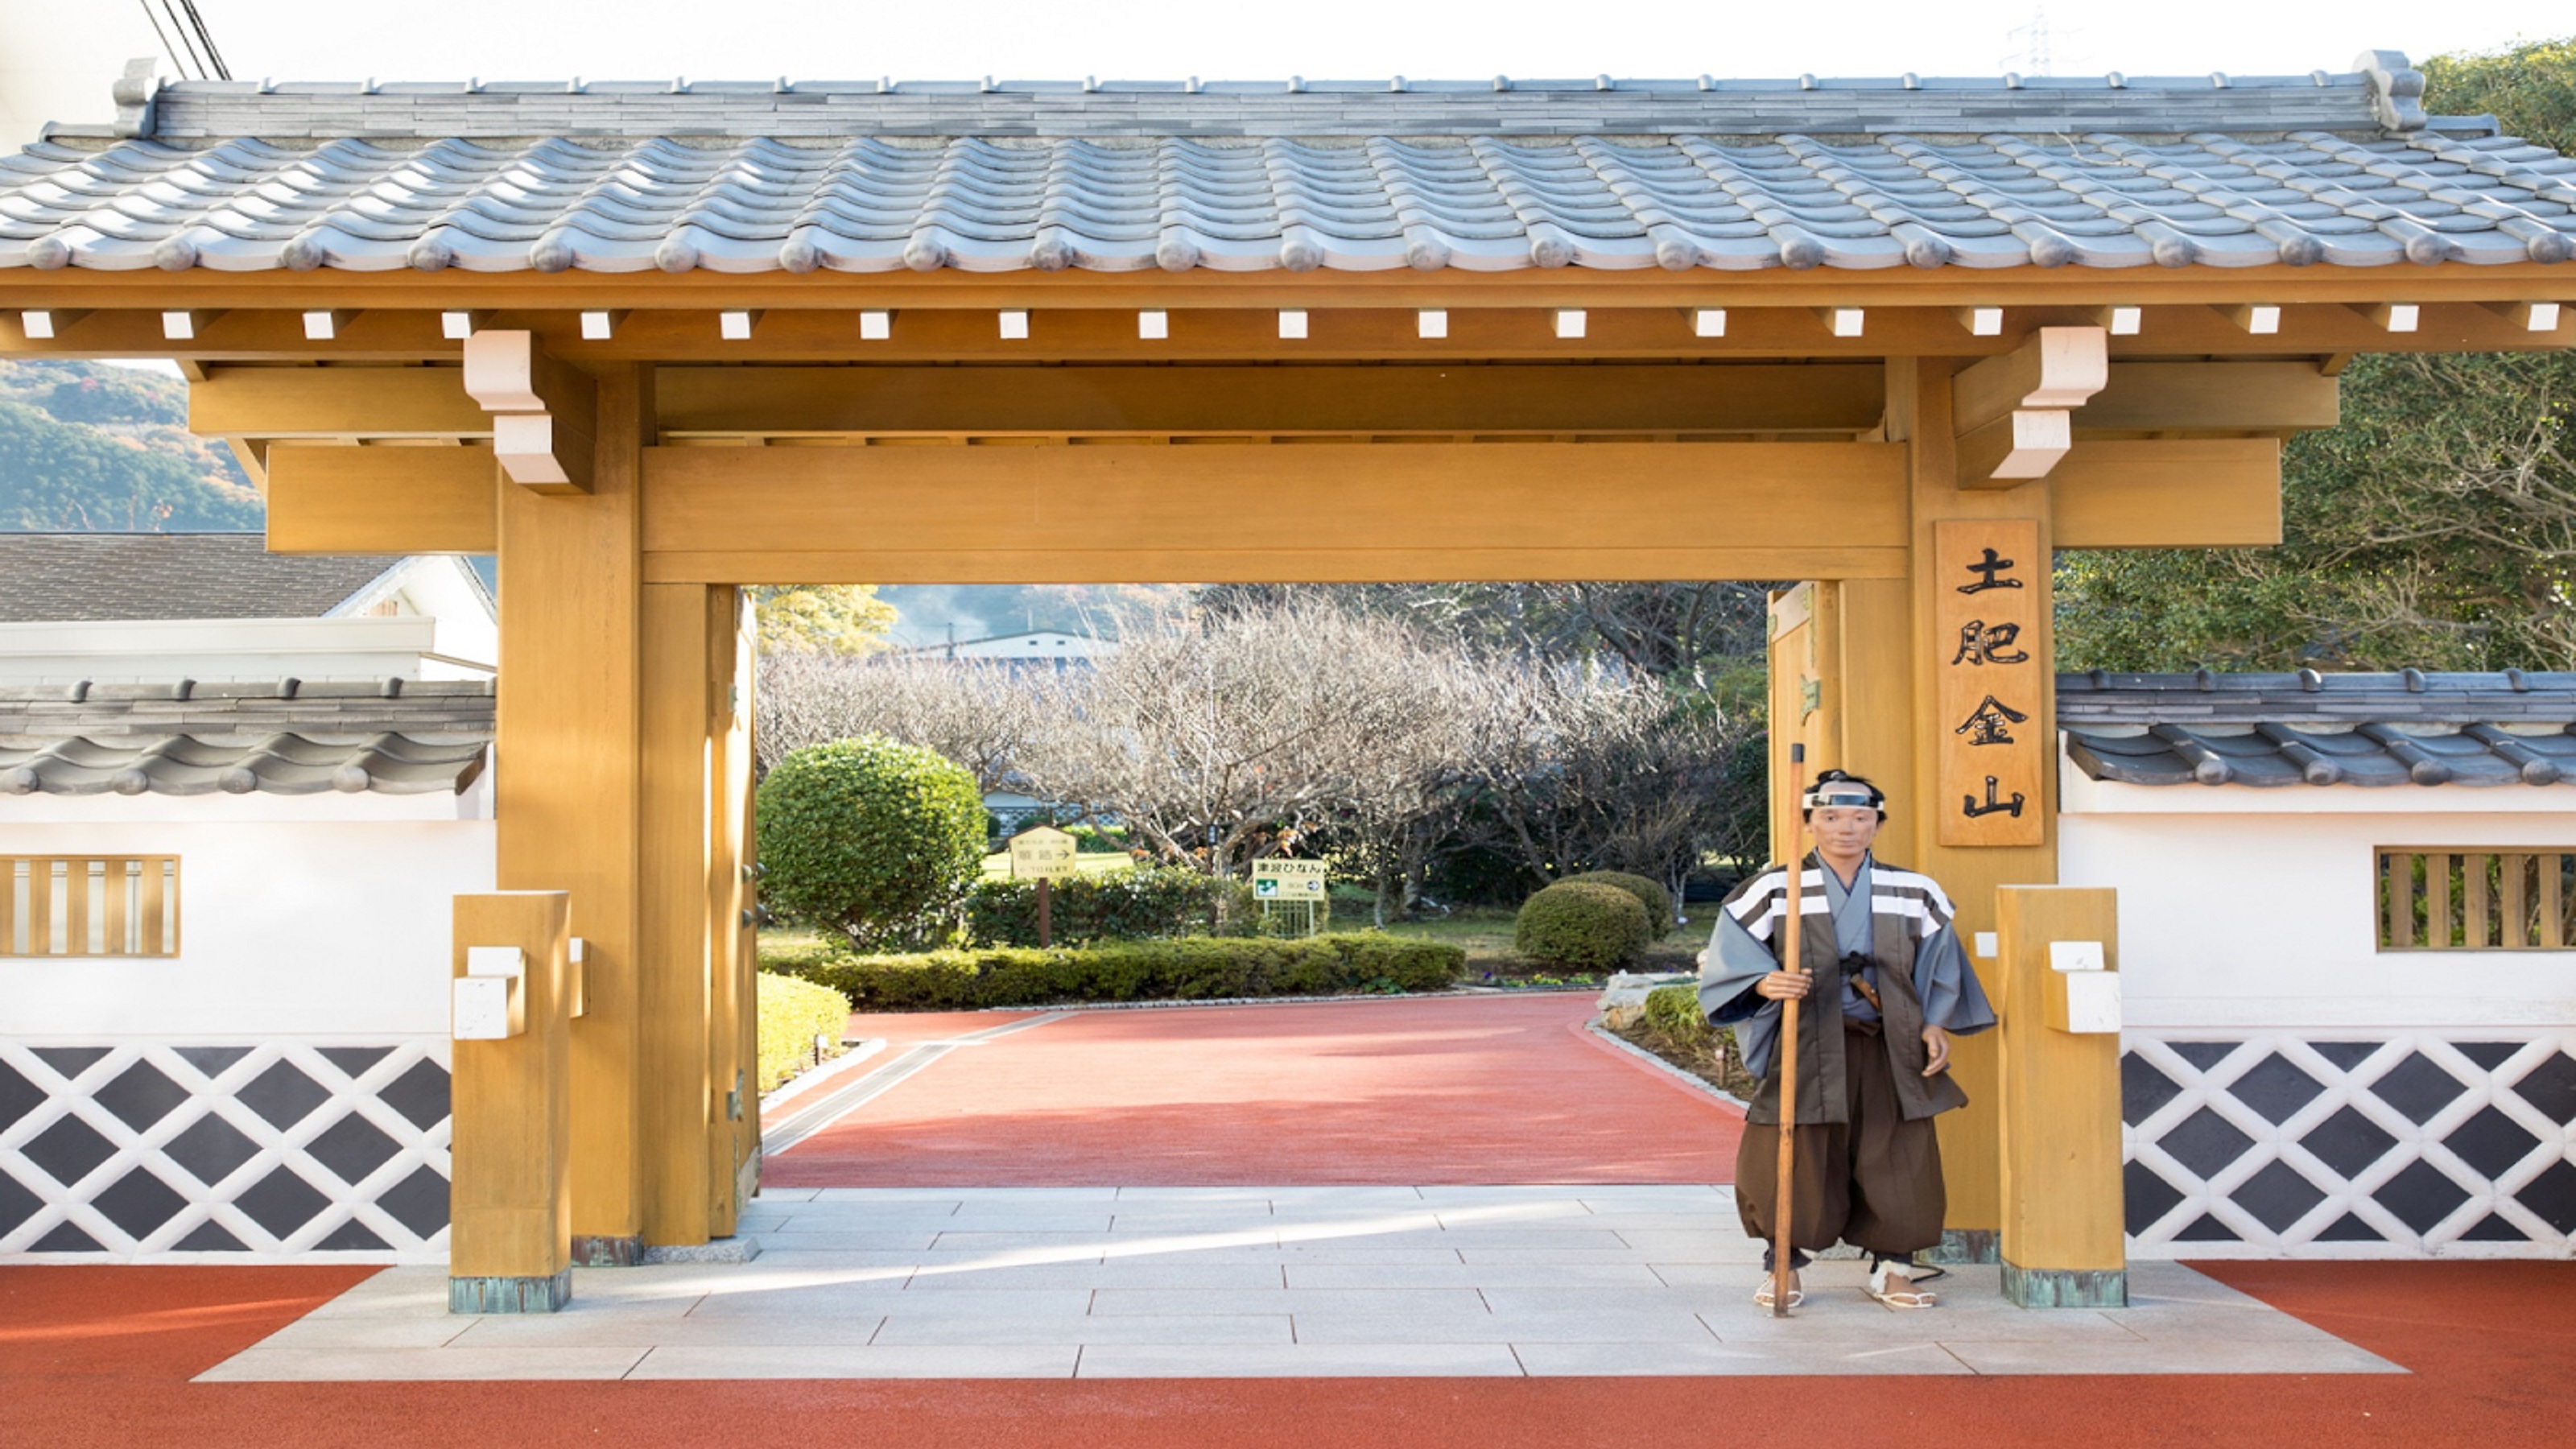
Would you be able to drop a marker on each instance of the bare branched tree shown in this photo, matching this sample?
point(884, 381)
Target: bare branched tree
point(978, 713)
point(1219, 741)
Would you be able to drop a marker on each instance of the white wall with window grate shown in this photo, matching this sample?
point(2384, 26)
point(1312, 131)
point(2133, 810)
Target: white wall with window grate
point(201, 1149)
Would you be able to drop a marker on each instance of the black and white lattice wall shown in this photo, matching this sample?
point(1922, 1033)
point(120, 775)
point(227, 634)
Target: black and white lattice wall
point(2451, 1143)
point(173, 1152)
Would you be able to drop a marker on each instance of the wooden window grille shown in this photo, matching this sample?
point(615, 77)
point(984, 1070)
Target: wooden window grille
point(89, 905)
point(2453, 899)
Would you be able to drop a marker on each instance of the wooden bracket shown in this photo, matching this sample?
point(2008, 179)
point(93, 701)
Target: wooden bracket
point(324, 324)
point(187, 325)
point(2529, 316)
point(42, 324)
point(2012, 413)
point(544, 410)
point(2015, 448)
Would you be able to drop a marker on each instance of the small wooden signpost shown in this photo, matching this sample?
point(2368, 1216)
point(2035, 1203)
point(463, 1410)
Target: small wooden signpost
point(1042, 854)
point(1278, 882)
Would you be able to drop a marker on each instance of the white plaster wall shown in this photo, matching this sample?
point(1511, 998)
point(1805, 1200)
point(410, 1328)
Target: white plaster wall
point(332, 928)
point(443, 589)
point(2263, 915)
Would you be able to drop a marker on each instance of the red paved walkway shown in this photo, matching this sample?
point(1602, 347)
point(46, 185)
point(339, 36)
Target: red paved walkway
point(1454, 1090)
point(101, 1356)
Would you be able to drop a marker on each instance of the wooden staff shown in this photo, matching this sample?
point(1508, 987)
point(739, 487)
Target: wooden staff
point(1791, 959)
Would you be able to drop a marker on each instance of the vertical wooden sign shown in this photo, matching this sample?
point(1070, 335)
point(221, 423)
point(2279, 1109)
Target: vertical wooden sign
point(1990, 584)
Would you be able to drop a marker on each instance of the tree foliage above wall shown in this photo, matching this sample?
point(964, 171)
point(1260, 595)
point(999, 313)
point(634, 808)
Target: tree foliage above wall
point(2436, 527)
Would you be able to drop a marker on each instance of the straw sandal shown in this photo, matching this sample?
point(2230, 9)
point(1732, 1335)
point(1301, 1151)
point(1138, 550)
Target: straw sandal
point(1907, 1296)
point(1762, 1295)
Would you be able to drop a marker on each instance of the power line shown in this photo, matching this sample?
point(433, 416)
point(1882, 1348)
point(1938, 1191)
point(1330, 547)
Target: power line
point(186, 40)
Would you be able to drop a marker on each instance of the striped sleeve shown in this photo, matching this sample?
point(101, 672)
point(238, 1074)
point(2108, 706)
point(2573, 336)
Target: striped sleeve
point(1918, 898)
point(1759, 903)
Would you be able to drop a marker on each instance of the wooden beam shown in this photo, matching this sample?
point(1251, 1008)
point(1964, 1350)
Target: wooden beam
point(2230, 396)
point(325, 499)
point(335, 402)
point(1428, 511)
point(1054, 401)
point(2169, 493)
point(544, 410)
point(1234, 319)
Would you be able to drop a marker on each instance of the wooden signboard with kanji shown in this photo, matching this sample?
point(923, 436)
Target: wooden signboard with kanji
point(1993, 681)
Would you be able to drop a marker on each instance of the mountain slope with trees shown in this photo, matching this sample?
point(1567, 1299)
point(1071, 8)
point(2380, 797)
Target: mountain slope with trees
point(89, 447)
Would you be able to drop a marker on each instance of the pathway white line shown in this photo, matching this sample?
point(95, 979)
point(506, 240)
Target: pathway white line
point(807, 1120)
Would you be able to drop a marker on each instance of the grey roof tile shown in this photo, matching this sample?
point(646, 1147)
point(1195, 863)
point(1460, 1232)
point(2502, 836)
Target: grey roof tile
point(396, 737)
point(1240, 176)
point(62, 577)
point(2321, 729)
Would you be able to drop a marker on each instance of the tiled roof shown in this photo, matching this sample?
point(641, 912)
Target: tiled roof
point(1489, 176)
point(398, 737)
point(62, 577)
point(2321, 729)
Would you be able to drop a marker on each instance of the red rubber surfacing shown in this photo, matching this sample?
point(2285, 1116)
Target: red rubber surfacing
point(102, 1355)
point(1474, 1090)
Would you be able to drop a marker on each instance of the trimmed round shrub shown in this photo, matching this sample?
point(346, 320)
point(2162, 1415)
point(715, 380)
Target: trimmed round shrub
point(876, 840)
point(1582, 924)
point(1649, 892)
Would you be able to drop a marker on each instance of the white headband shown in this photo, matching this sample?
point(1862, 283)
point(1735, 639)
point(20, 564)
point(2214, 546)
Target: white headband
point(1839, 795)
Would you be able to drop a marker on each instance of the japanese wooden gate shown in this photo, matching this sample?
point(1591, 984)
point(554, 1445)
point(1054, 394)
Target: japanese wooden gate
point(636, 444)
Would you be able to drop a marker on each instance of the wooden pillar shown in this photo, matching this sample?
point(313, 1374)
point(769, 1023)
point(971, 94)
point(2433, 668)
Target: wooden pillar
point(1919, 414)
point(733, 1026)
point(565, 789)
point(680, 1105)
point(2063, 1235)
point(701, 1119)
point(510, 1214)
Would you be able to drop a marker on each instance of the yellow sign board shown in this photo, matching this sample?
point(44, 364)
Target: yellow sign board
point(1041, 854)
point(1288, 880)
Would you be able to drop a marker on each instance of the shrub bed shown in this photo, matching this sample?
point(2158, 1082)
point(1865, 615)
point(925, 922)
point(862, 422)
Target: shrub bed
point(793, 1013)
point(1191, 968)
point(1674, 1030)
point(1673, 1011)
point(1585, 925)
point(1121, 905)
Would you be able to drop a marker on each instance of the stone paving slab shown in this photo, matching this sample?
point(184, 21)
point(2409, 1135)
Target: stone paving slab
point(1521, 1280)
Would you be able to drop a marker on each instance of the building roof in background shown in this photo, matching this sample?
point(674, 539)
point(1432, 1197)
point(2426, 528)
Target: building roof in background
point(394, 737)
point(67, 577)
point(2343, 169)
point(2321, 729)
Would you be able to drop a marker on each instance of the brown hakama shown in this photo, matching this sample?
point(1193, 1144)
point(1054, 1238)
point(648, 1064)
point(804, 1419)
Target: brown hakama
point(1873, 1182)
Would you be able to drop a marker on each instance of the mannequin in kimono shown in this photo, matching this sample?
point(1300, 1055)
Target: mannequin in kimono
point(1885, 986)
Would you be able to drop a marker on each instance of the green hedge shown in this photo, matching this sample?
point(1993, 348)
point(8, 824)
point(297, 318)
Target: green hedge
point(1649, 892)
point(792, 1014)
point(1585, 925)
point(1192, 968)
point(1118, 905)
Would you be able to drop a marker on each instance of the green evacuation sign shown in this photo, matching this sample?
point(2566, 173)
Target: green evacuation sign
point(1288, 880)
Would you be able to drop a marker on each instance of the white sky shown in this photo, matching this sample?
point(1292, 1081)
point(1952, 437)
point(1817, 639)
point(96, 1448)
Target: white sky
point(1052, 39)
